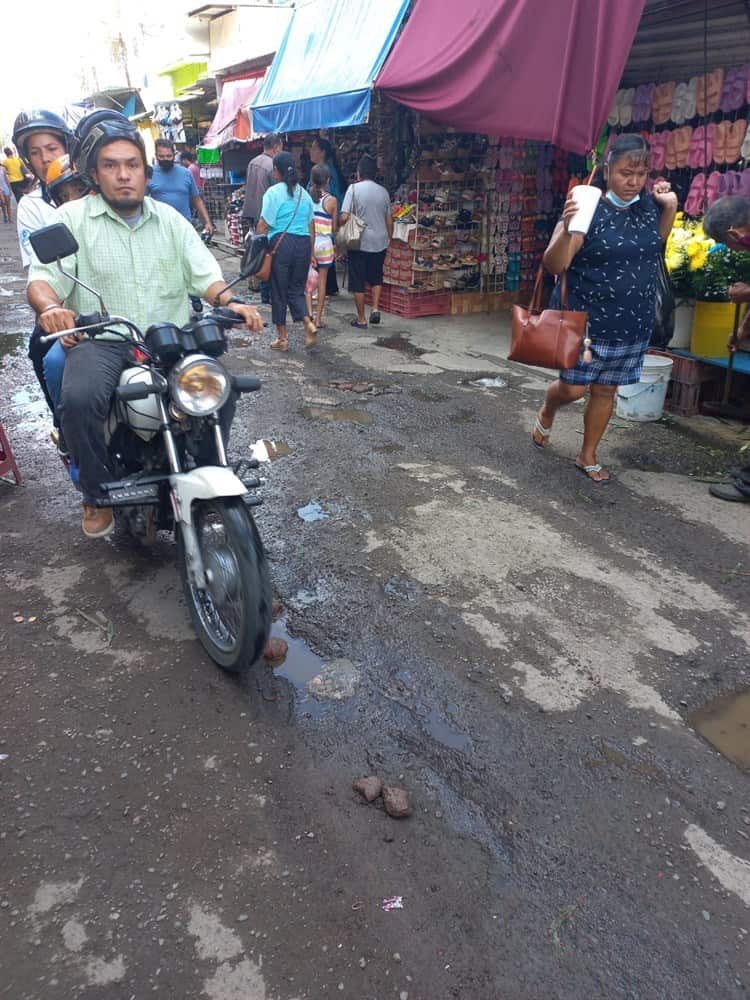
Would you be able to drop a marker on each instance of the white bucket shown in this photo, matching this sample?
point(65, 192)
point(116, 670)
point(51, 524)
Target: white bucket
point(683, 325)
point(645, 400)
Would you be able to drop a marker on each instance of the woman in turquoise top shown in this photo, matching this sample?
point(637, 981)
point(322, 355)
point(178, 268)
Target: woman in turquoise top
point(287, 216)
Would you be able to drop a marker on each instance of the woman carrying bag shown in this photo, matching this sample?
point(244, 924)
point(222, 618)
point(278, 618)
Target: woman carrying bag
point(611, 275)
point(287, 219)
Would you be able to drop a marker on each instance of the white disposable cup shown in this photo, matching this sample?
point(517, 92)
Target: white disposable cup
point(587, 197)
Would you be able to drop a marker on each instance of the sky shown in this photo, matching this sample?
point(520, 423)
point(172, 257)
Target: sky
point(66, 50)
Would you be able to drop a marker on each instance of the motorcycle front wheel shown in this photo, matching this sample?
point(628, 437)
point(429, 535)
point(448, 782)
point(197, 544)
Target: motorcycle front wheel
point(233, 615)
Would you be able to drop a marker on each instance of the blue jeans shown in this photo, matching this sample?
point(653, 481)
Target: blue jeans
point(54, 365)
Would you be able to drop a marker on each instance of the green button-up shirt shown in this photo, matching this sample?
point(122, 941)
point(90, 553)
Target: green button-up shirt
point(144, 274)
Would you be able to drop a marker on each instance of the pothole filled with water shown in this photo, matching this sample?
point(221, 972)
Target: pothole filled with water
point(725, 724)
point(398, 343)
point(299, 666)
point(335, 415)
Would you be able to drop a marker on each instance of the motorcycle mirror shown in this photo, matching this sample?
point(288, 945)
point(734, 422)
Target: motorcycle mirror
point(53, 243)
point(56, 242)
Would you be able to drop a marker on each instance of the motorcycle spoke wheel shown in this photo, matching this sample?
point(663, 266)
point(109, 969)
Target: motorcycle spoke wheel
point(232, 616)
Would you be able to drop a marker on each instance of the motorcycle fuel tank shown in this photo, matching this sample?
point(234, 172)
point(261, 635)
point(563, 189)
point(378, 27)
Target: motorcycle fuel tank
point(142, 415)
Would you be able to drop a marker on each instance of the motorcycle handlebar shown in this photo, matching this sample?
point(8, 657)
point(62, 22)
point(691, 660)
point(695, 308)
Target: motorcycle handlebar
point(245, 383)
point(137, 390)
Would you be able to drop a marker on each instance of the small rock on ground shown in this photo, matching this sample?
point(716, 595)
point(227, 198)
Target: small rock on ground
point(396, 802)
point(370, 787)
point(338, 680)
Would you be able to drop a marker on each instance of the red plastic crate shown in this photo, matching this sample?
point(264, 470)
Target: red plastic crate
point(410, 304)
point(687, 370)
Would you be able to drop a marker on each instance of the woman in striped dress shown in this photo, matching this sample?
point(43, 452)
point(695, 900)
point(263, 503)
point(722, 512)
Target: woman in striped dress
point(326, 210)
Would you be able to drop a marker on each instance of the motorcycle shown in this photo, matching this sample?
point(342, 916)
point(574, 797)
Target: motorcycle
point(165, 411)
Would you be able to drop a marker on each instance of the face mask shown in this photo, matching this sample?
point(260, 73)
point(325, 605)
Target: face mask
point(166, 165)
point(613, 199)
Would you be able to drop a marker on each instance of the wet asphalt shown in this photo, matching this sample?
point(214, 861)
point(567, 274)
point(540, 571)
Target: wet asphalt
point(526, 651)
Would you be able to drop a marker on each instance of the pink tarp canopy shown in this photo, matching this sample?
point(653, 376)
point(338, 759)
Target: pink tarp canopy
point(228, 123)
point(529, 69)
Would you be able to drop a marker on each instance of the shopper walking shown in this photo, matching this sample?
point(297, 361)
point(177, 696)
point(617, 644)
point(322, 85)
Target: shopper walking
point(188, 160)
point(611, 274)
point(326, 210)
point(728, 221)
point(174, 185)
point(5, 194)
point(287, 219)
point(372, 203)
point(18, 175)
point(323, 154)
point(258, 180)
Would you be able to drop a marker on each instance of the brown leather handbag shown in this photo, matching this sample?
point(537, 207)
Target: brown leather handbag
point(548, 338)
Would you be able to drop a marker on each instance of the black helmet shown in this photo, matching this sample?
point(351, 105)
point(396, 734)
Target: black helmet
point(93, 135)
point(88, 121)
point(39, 121)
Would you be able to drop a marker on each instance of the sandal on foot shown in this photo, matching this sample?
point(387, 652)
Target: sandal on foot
point(543, 431)
point(375, 318)
point(358, 325)
point(311, 338)
point(590, 471)
point(280, 345)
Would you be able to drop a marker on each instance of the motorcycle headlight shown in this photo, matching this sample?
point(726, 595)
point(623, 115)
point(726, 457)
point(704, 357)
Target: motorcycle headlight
point(199, 385)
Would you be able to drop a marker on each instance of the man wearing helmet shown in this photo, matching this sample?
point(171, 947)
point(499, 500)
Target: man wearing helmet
point(145, 259)
point(40, 136)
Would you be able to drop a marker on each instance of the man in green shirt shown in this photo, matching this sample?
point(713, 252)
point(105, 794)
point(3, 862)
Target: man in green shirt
point(146, 260)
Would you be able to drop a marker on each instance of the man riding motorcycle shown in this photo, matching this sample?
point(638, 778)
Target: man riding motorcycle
point(145, 260)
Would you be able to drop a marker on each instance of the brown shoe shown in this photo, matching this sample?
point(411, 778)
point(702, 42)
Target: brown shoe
point(98, 522)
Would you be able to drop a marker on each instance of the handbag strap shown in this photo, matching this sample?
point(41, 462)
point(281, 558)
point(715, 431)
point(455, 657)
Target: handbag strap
point(280, 240)
point(535, 306)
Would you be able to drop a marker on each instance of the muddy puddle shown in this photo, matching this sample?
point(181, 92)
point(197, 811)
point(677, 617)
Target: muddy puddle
point(268, 451)
point(398, 343)
point(335, 415)
point(299, 666)
point(444, 733)
point(725, 724)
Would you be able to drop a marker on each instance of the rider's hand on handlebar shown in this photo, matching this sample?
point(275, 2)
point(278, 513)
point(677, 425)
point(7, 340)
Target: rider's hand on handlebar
point(250, 314)
point(58, 319)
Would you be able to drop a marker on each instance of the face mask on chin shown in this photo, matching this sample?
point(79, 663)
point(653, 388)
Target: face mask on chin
point(618, 202)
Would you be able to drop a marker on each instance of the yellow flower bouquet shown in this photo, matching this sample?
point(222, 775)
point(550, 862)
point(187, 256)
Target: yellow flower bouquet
point(699, 267)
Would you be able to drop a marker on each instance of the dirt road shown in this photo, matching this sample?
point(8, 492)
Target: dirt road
point(525, 652)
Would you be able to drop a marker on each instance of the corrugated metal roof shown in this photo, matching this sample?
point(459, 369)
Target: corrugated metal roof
point(669, 42)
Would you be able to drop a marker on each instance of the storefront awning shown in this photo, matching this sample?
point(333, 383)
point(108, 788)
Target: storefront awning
point(230, 121)
point(505, 67)
point(322, 74)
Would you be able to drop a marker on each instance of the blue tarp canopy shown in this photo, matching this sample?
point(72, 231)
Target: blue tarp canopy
point(322, 74)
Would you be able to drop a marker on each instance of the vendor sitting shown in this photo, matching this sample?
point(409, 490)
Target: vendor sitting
point(728, 221)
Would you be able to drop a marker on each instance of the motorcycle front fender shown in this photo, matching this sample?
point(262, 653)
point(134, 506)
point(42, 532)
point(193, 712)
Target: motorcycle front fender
point(210, 482)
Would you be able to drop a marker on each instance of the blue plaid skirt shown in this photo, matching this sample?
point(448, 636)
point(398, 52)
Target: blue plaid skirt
point(614, 362)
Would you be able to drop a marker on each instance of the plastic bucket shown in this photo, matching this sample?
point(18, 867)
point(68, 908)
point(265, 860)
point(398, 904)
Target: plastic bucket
point(644, 401)
point(683, 325)
point(712, 324)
